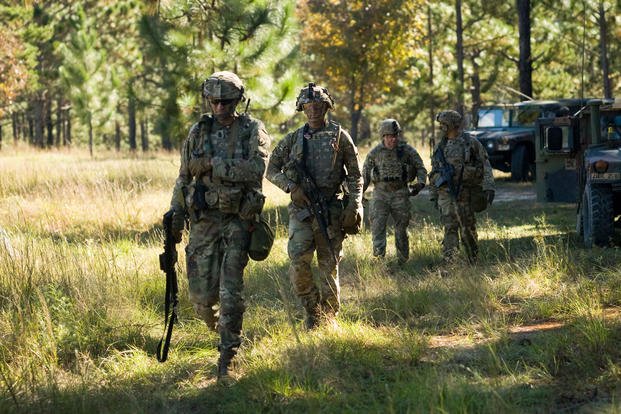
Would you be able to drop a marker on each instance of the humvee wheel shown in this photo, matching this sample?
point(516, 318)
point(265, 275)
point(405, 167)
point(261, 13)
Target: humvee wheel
point(597, 215)
point(520, 165)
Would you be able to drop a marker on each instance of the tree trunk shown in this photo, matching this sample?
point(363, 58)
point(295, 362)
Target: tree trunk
point(131, 121)
point(144, 134)
point(59, 119)
point(38, 122)
point(603, 51)
point(525, 63)
point(476, 89)
point(68, 130)
point(355, 120)
point(48, 123)
point(15, 127)
point(31, 134)
point(432, 108)
point(459, 53)
point(117, 136)
point(90, 136)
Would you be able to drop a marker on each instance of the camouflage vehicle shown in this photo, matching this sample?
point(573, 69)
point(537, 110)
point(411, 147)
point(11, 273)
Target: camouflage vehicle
point(507, 132)
point(579, 159)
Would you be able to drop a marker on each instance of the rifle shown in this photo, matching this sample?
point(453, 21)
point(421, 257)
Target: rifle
point(168, 259)
point(318, 204)
point(446, 174)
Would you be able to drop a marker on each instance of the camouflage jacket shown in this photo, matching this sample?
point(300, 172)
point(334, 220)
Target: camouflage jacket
point(331, 159)
point(236, 168)
point(464, 154)
point(399, 165)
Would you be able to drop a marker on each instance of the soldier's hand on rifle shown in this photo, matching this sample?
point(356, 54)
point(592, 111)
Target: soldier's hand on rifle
point(489, 196)
point(178, 223)
point(415, 189)
point(298, 197)
point(199, 166)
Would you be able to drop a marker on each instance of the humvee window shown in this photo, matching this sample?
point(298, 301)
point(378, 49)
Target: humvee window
point(527, 117)
point(557, 138)
point(495, 117)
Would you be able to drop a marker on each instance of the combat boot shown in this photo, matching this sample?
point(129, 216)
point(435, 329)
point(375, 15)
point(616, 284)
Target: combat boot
point(311, 321)
point(224, 363)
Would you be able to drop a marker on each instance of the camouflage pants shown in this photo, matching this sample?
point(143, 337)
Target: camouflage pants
point(459, 222)
point(304, 238)
point(216, 256)
point(384, 204)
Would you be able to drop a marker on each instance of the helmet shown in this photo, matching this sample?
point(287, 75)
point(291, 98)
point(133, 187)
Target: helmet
point(389, 127)
point(223, 85)
point(313, 93)
point(451, 119)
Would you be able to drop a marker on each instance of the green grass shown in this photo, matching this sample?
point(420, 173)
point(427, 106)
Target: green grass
point(81, 309)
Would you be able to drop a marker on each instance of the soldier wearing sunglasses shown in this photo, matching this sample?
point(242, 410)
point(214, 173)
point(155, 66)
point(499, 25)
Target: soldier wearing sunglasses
point(219, 190)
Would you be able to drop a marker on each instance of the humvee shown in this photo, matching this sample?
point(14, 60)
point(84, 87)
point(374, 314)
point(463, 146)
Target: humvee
point(507, 132)
point(579, 159)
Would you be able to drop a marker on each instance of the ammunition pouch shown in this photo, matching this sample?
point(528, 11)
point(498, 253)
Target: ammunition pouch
point(229, 199)
point(390, 179)
point(472, 175)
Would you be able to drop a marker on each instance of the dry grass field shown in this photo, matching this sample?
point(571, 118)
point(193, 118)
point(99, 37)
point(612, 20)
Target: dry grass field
point(534, 327)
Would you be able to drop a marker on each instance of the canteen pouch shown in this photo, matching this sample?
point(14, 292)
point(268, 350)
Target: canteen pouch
point(261, 239)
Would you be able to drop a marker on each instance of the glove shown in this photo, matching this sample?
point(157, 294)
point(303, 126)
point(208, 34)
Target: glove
point(489, 196)
point(298, 197)
point(351, 220)
point(199, 166)
point(415, 189)
point(178, 224)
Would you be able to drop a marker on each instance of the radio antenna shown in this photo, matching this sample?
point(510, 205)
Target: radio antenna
point(583, 48)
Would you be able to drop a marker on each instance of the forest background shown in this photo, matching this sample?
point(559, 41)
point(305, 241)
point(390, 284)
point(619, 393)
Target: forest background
point(534, 327)
point(126, 74)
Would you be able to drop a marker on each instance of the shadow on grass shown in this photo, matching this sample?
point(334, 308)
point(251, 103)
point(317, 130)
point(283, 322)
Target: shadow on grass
point(557, 369)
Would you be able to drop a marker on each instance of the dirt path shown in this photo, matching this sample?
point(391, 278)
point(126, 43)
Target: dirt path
point(517, 333)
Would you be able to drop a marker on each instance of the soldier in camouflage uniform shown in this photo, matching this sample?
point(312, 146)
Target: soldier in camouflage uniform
point(330, 157)
point(460, 169)
point(223, 161)
point(390, 166)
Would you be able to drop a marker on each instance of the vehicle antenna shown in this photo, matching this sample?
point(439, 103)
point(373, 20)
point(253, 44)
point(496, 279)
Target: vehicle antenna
point(583, 47)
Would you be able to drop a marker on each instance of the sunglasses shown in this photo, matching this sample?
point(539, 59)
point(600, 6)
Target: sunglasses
point(314, 104)
point(223, 102)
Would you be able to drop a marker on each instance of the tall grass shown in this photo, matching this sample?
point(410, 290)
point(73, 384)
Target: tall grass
point(81, 309)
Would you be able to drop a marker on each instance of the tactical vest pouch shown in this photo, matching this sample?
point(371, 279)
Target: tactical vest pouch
point(252, 204)
point(229, 199)
point(478, 201)
point(261, 240)
point(472, 175)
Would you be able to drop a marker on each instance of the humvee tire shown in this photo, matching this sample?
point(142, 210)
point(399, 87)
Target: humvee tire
point(597, 215)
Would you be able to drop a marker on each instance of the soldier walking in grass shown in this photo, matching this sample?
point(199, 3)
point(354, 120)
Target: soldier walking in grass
point(462, 183)
point(391, 166)
point(219, 189)
point(313, 164)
